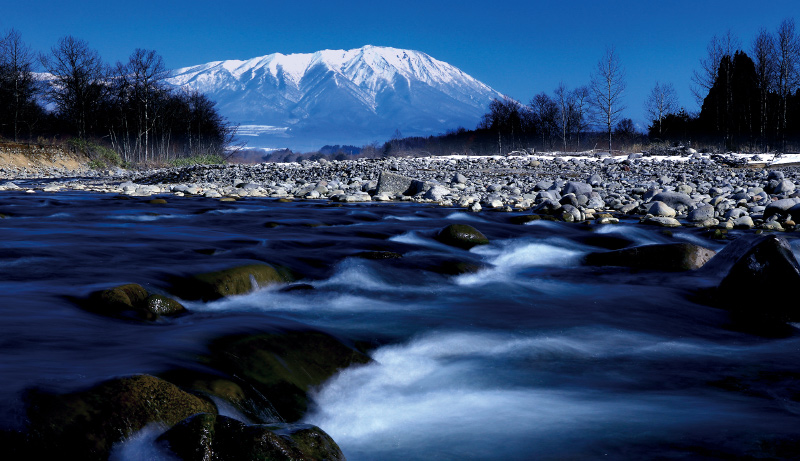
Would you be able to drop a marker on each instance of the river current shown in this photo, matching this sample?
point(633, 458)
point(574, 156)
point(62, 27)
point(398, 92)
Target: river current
point(534, 356)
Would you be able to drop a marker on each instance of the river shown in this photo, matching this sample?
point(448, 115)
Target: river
point(533, 356)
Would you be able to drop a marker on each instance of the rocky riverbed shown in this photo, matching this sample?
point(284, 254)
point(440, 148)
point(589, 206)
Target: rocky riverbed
point(701, 190)
point(176, 323)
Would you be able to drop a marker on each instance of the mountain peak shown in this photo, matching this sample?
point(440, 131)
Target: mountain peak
point(365, 93)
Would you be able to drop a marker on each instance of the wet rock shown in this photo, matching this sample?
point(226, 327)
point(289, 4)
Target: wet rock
point(229, 282)
point(163, 305)
point(461, 236)
point(132, 301)
point(449, 266)
point(662, 257)
point(210, 437)
point(762, 266)
point(283, 367)
point(86, 424)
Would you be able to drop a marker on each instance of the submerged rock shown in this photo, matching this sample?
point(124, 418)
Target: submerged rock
point(761, 268)
point(461, 236)
point(86, 424)
point(210, 437)
point(283, 367)
point(132, 301)
point(663, 257)
point(228, 282)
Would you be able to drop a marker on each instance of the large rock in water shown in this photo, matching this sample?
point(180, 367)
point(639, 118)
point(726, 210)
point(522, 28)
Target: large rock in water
point(461, 236)
point(86, 424)
point(228, 282)
point(132, 301)
point(283, 367)
point(663, 257)
point(762, 270)
point(209, 437)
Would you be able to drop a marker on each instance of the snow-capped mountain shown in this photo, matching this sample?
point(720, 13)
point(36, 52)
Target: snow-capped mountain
point(304, 101)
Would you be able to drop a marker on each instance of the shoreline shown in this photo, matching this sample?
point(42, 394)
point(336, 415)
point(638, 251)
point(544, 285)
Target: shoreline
point(696, 190)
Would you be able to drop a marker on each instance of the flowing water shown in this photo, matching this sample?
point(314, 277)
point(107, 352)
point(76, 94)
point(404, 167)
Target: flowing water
point(533, 356)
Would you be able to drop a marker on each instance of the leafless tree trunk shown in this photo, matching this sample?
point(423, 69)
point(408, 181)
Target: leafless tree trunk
point(580, 97)
point(718, 47)
point(662, 101)
point(607, 87)
point(563, 99)
point(788, 69)
point(764, 60)
point(16, 77)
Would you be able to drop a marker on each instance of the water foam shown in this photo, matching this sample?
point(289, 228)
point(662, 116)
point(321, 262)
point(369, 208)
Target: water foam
point(445, 394)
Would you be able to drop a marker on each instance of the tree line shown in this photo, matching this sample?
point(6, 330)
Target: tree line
point(746, 102)
point(128, 107)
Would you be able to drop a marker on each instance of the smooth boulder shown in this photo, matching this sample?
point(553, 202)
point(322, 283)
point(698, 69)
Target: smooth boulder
point(663, 257)
point(461, 236)
point(761, 269)
point(132, 301)
point(86, 424)
point(283, 367)
point(229, 282)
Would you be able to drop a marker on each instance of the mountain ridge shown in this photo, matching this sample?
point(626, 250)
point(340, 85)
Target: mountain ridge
point(305, 100)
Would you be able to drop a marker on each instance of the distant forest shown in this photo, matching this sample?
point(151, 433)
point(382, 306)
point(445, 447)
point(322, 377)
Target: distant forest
point(120, 114)
point(749, 100)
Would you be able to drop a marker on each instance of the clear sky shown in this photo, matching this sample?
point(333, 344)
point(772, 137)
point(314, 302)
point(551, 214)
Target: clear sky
point(518, 47)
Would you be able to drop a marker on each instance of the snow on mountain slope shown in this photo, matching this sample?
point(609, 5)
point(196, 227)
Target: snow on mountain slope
point(340, 96)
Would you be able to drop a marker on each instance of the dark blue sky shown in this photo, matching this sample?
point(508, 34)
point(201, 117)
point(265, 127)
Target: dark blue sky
point(520, 48)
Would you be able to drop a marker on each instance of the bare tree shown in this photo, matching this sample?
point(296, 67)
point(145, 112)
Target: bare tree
point(788, 68)
point(565, 103)
point(144, 76)
point(764, 56)
point(545, 112)
point(580, 97)
point(607, 87)
point(662, 101)
point(17, 84)
point(78, 80)
point(704, 79)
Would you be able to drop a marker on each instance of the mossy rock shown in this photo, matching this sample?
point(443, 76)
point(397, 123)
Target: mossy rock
point(132, 301)
point(660, 257)
point(461, 236)
point(86, 424)
point(163, 305)
point(284, 367)
point(229, 282)
point(524, 219)
point(119, 298)
point(210, 437)
point(157, 201)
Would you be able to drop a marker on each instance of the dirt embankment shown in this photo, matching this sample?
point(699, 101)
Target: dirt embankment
point(31, 159)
